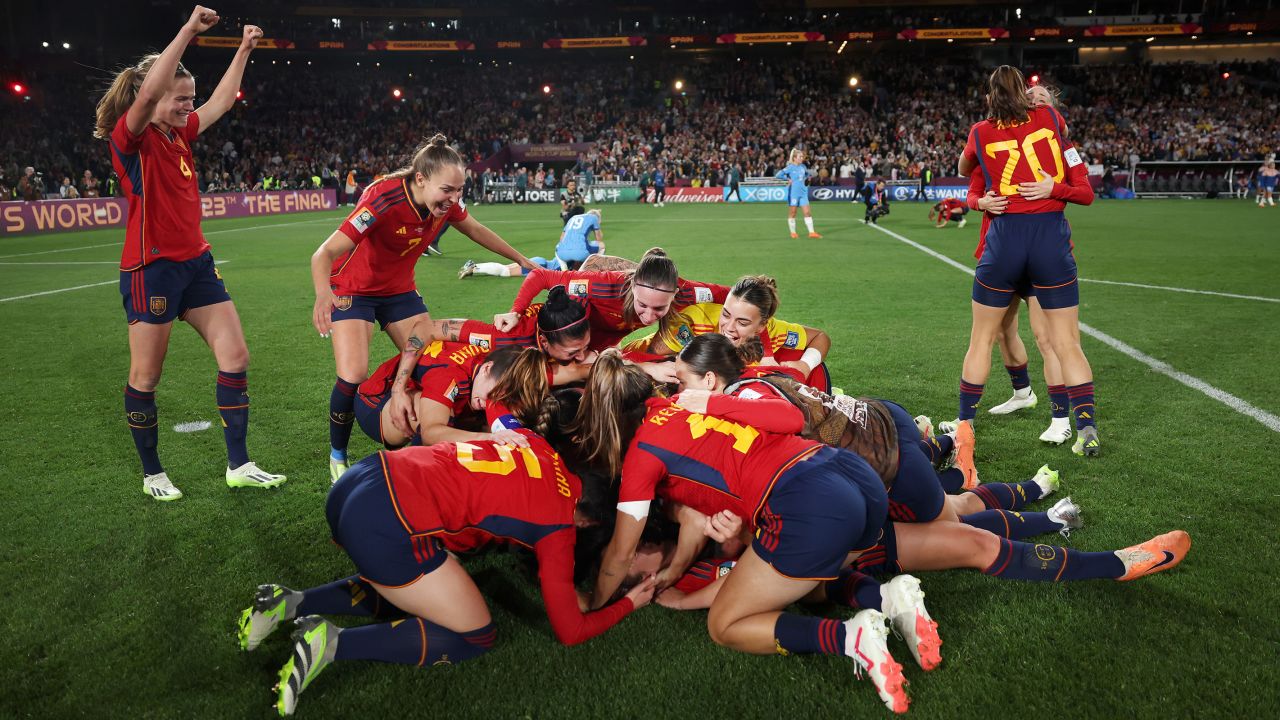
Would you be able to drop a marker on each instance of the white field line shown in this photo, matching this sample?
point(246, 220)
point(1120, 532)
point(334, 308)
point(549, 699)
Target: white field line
point(69, 289)
point(1183, 290)
point(1241, 406)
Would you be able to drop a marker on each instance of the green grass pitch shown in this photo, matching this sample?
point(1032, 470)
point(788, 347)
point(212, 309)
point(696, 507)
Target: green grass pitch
point(119, 606)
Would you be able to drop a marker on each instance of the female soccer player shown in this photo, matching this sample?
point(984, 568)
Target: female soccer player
point(1029, 244)
point(1267, 178)
point(620, 302)
point(450, 381)
point(167, 270)
point(809, 506)
point(882, 432)
point(748, 312)
point(364, 271)
point(572, 250)
point(795, 173)
point(398, 515)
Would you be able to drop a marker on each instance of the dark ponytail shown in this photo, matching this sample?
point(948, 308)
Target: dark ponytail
point(713, 353)
point(562, 318)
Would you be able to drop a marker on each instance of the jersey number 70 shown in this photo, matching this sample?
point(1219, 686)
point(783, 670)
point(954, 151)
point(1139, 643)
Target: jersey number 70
point(1029, 150)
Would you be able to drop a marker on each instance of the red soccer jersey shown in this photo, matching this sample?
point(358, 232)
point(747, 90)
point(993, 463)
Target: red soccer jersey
point(524, 334)
point(1076, 189)
point(759, 371)
point(390, 233)
point(158, 176)
point(1012, 154)
point(443, 374)
point(707, 463)
point(759, 405)
point(471, 494)
point(703, 573)
point(605, 292)
point(950, 205)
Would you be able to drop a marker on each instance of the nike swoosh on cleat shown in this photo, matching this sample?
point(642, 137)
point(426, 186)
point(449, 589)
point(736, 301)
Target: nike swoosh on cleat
point(1168, 558)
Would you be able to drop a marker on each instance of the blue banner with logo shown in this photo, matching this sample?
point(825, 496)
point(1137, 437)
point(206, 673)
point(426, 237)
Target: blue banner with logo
point(758, 193)
point(897, 193)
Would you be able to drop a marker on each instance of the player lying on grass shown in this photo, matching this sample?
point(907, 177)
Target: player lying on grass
point(748, 312)
point(809, 506)
point(399, 515)
point(558, 328)
point(449, 382)
point(881, 432)
point(572, 250)
point(167, 272)
point(364, 271)
point(619, 302)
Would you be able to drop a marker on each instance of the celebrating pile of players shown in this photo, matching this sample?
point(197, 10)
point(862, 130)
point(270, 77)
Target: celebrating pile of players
point(712, 463)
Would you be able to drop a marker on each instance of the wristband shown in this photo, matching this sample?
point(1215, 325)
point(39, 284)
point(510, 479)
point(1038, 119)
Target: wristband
point(812, 358)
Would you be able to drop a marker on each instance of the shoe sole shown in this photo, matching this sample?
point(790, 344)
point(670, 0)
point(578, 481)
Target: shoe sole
point(251, 484)
point(165, 498)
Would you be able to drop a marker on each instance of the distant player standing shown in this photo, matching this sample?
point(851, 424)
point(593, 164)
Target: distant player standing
point(659, 186)
point(1267, 178)
point(1016, 148)
point(795, 173)
point(166, 270)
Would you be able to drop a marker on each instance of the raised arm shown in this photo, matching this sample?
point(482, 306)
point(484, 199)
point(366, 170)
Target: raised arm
point(164, 68)
point(224, 96)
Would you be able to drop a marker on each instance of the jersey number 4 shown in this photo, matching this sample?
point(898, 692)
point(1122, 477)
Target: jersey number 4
point(743, 435)
point(1029, 150)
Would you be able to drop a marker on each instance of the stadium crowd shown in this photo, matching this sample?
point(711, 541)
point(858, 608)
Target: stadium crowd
point(301, 125)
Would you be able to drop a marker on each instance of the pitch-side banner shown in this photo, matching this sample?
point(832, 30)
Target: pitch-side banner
point(547, 152)
point(595, 42)
point(46, 216)
point(730, 38)
point(689, 195)
point(234, 42)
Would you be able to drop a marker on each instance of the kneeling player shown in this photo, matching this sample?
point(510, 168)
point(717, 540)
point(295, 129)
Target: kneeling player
point(572, 250)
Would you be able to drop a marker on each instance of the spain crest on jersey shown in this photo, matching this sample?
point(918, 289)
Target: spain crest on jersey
point(158, 305)
point(344, 302)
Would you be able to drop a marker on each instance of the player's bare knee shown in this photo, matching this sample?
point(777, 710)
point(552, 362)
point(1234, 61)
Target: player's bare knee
point(144, 379)
point(979, 546)
point(235, 359)
point(718, 626)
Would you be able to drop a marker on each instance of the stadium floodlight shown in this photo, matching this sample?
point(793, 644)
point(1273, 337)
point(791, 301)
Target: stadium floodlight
point(1071, 40)
point(679, 85)
point(1195, 37)
point(1018, 12)
point(44, 44)
point(239, 94)
point(396, 93)
point(853, 81)
point(66, 46)
point(1151, 39)
point(1226, 76)
point(18, 88)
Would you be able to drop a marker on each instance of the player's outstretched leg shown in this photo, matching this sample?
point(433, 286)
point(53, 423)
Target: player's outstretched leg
point(864, 642)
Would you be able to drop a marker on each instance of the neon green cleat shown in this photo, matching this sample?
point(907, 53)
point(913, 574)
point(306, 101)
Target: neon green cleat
point(336, 469)
point(272, 605)
point(315, 644)
point(250, 475)
point(1087, 442)
point(1047, 479)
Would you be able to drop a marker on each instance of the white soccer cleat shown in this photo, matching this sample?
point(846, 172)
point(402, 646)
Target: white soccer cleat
point(250, 475)
point(865, 636)
point(1067, 514)
point(1047, 479)
point(902, 601)
point(159, 487)
point(946, 427)
point(468, 269)
point(925, 426)
point(1015, 403)
point(962, 222)
point(1059, 431)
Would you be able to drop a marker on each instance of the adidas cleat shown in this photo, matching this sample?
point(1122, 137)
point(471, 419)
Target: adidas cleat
point(1014, 404)
point(865, 636)
point(250, 475)
point(1048, 481)
point(272, 605)
point(159, 487)
point(434, 249)
point(903, 603)
point(336, 469)
point(965, 440)
point(1067, 514)
point(1059, 431)
point(315, 644)
point(1087, 442)
point(1158, 554)
point(468, 268)
point(925, 426)
point(946, 427)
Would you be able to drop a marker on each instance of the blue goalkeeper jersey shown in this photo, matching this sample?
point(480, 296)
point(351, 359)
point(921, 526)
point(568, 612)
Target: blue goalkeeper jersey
point(795, 174)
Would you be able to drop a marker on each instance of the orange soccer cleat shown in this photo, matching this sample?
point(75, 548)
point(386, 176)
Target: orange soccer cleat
point(815, 235)
point(1158, 554)
point(794, 236)
point(965, 440)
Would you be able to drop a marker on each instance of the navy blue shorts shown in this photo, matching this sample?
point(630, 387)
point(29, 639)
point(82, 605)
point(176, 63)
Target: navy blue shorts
point(916, 495)
point(369, 417)
point(385, 309)
point(882, 559)
point(363, 521)
point(1027, 250)
point(820, 510)
point(164, 290)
